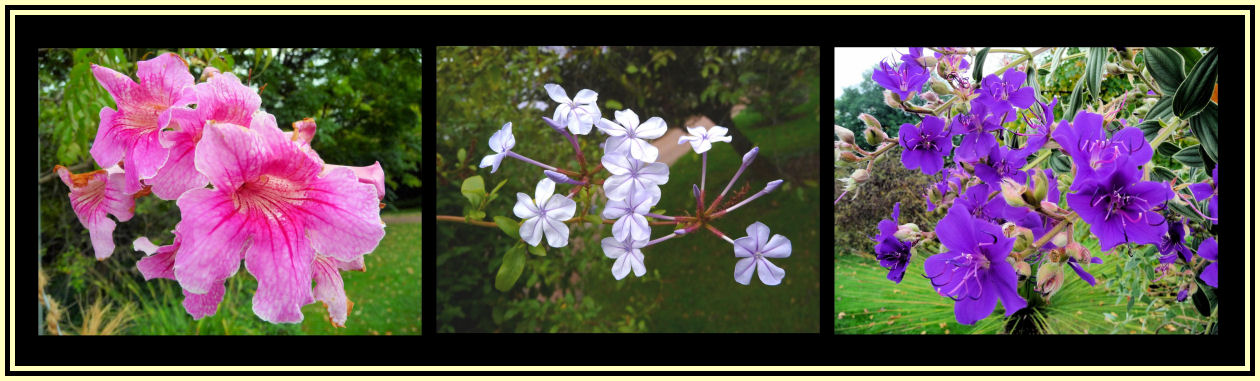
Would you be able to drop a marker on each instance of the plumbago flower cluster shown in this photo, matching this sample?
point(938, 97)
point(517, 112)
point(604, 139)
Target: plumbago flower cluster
point(632, 188)
point(271, 200)
point(1007, 217)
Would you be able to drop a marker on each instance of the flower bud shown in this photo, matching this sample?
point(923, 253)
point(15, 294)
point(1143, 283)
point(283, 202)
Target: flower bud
point(1078, 252)
point(892, 100)
point(938, 86)
point(561, 178)
point(695, 192)
point(907, 232)
point(962, 107)
point(1041, 186)
point(1023, 269)
point(1050, 207)
point(1023, 238)
point(1060, 240)
point(930, 96)
point(1013, 193)
point(845, 134)
point(1113, 69)
point(927, 61)
point(870, 120)
point(1009, 229)
point(848, 156)
point(752, 154)
point(770, 187)
point(554, 125)
point(860, 175)
point(1049, 278)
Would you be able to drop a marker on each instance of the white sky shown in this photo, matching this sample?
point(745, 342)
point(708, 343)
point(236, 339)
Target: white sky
point(852, 62)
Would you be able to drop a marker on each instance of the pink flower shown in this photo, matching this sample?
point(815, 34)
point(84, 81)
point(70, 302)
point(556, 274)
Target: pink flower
point(329, 288)
point(95, 194)
point(144, 109)
point(159, 262)
point(274, 206)
point(222, 99)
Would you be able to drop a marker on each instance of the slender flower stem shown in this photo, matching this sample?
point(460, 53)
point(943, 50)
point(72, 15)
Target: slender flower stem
point(719, 233)
point(659, 240)
point(838, 198)
point(1053, 232)
point(1040, 158)
point(662, 223)
point(1019, 60)
point(704, 167)
point(532, 161)
point(880, 151)
point(466, 221)
point(581, 158)
point(728, 187)
point(659, 217)
point(741, 203)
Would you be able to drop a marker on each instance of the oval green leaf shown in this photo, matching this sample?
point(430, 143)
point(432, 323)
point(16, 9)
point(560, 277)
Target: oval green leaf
point(1096, 58)
point(509, 226)
point(473, 188)
point(1190, 156)
point(1167, 66)
point(510, 270)
point(1204, 128)
point(978, 70)
point(1195, 91)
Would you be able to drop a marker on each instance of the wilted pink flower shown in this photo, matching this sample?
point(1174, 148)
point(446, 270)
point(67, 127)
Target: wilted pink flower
point(274, 206)
point(222, 99)
point(95, 194)
point(130, 134)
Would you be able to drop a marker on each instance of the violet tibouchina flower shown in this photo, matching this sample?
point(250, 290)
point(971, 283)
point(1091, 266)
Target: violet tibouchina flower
point(275, 206)
point(1043, 125)
point(544, 215)
point(630, 137)
point(925, 145)
point(1207, 191)
point(579, 113)
point(892, 253)
point(1174, 242)
point(974, 271)
point(1120, 208)
point(94, 195)
point(629, 214)
point(702, 140)
point(1085, 275)
point(632, 176)
point(1207, 250)
point(1096, 155)
point(975, 127)
point(1002, 163)
point(754, 249)
point(222, 99)
point(131, 133)
point(1003, 95)
point(501, 143)
point(901, 79)
point(627, 254)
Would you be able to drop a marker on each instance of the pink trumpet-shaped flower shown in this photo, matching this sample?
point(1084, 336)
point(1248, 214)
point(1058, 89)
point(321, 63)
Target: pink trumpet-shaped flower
point(159, 262)
point(222, 99)
point(329, 288)
point(372, 175)
point(274, 206)
point(95, 194)
point(131, 133)
point(754, 249)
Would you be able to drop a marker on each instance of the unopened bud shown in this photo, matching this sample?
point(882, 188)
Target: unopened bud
point(1013, 193)
point(874, 135)
point(845, 134)
point(1060, 240)
point(695, 191)
point(1113, 69)
point(870, 120)
point(752, 154)
point(1023, 269)
point(1041, 185)
point(1023, 239)
point(1078, 252)
point(907, 232)
point(554, 125)
point(930, 96)
point(848, 156)
point(771, 186)
point(927, 61)
point(1049, 278)
point(892, 100)
point(1050, 207)
point(860, 175)
point(962, 107)
point(938, 86)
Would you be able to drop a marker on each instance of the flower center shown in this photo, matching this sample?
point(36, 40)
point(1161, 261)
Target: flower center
point(1118, 202)
point(269, 196)
point(971, 265)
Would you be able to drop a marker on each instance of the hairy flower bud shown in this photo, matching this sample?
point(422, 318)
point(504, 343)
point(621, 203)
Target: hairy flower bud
point(1050, 207)
point(1049, 278)
point(892, 100)
point(962, 107)
point(1023, 269)
point(938, 86)
point(860, 175)
point(870, 120)
point(845, 134)
point(1113, 69)
point(927, 61)
point(1013, 193)
point(1060, 239)
point(907, 232)
point(1023, 238)
point(930, 96)
point(1078, 252)
point(848, 156)
point(1041, 186)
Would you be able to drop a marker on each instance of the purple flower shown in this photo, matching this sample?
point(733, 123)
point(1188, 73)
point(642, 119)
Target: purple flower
point(754, 249)
point(631, 176)
point(1119, 207)
point(977, 141)
point(1043, 125)
point(544, 215)
point(1003, 163)
point(579, 113)
point(1207, 250)
point(1175, 242)
point(501, 143)
point(1094, 154)
point(1003, 95)
point(892, 252)
point(1204, 191)
point(974, 271)
point(952, 63)
point(1076, 266)
point(630, 137)
point(1183, 294)
point(627, 254)
point(925, 146)
point(629, 214)
point(901, 79)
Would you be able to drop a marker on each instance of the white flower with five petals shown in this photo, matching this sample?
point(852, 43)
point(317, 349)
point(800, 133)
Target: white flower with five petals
point(702, 139)
point(579, 113)
point(631, 137)
point(629, 214)
point(755, 248)
point(544, 215)
point(627, 254)
point(631, 176)
point(501, 142)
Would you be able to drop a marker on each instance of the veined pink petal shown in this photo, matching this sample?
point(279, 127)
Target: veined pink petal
point(93, 195)
point(159, 262)
point(280, 257)
point(372, 175)
point(202, 305)
point(223, 99)
point(213, 238)
point(343, 216)
point(330, 289)
point(304, 131)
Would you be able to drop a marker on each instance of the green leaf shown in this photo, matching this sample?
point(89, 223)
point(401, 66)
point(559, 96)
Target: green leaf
point(1184, 210)
point(461, 155)
point(631, 69)
point(510, 270)
point(474, 189)
point(538, 250)
point(1204, 298)
point(594, 219)
point(1150, 129)
point(1190, 55)
point(1061, 163)
point(1161, 110)
point(1075, 100)
point(1190, 156)
point(1168, 149)
point(1196, 91)
point(1203, 126)
point(1032, 73)
point(612, 105)
point(1162, 174)
point(509, 226)
point(1096, 58)
point(977, 73)
point(1167, 66)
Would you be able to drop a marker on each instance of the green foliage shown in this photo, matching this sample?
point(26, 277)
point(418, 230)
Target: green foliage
point(867, 97)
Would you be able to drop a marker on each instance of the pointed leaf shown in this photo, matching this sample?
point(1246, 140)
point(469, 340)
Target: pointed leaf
point(1167, 66)
point(1190, 55)
point(509, 226)
point(474, 189)
point(977, 71)
point(539, 250)
point(1195, 91)
point(510, 270)
point(1161, 110)
point(1096, 58)
point(1162, 174)
point(1203, 126)
point(1190, 156)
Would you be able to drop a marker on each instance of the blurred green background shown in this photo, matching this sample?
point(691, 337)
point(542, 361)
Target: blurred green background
point(366, 103)
point(689, 286)
point(1124, 301)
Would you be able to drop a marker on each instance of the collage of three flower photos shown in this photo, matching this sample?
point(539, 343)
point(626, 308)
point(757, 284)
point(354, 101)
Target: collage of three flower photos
point(622, 189)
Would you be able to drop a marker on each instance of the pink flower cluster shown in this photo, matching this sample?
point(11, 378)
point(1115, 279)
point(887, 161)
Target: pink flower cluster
point(271, 200)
